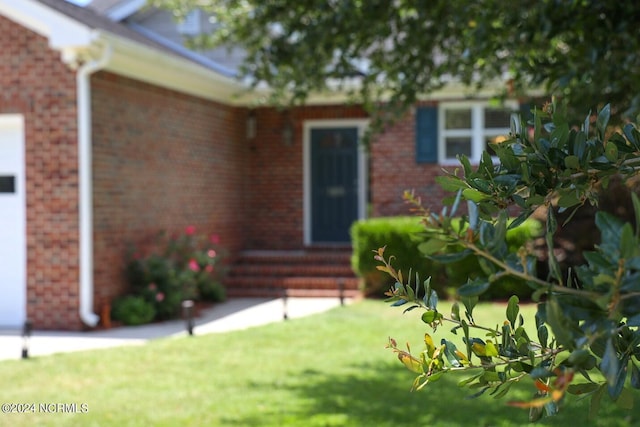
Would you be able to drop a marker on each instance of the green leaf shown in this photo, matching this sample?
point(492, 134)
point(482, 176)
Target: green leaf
point(552, 223)
point(603, 120)
point(568, 199)
point(452, 257)
point(431, 316)
point(580, 147)
point(609, 226)
point(636, 210)
point(572, 162)
point(490, 349)
point(455, 311)
point(469, 303)
point(474, 288)
point(628, 242)
point(450, 353)
point(432, 246)
point(543, 335)
point(451, 183)
point(611, 151)
point(559, 323)
point(609, 366)
point(617, 387)
point(512, 310)
point(583, 388)
point(464, 161)
point(474, 195)
point(630, 132)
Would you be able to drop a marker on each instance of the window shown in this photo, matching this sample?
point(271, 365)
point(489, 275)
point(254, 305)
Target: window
point(469, 128)
point(192, 24)
point(460, 128)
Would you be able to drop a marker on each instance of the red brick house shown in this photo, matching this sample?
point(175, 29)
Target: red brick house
point(110, 132)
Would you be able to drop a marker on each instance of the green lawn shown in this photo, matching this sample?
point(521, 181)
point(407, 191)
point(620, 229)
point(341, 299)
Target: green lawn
point(325, 370)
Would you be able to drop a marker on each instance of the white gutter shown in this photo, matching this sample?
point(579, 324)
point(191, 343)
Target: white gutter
point(83, 81)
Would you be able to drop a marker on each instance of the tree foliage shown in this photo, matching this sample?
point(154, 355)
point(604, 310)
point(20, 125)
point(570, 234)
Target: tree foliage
point(397, 51)
point(588, 340)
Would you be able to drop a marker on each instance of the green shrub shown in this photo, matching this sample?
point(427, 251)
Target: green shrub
point(403, 236)
point(187, 266)
point(457, 273)
point(133, 310)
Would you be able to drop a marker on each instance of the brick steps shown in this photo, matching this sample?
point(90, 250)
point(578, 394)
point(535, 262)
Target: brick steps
point(304, 273)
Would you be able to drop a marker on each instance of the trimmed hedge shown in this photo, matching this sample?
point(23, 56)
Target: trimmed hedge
point(402, 237)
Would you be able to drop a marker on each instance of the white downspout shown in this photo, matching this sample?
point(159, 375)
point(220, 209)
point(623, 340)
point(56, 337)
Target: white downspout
point(83, 81)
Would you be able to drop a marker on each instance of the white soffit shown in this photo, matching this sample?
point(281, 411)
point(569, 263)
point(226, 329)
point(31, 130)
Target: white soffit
point(62, 31)
point(159, 68)
point(129, 58)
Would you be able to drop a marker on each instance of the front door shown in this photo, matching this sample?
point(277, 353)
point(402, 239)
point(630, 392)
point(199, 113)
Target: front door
point(334, 183)
point(12, 222)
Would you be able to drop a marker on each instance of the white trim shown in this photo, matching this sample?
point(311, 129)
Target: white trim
point(477, 132)
point(85, 180)
point(125, 9)
point(363, 172)
point(61, 30)
point(17, 237)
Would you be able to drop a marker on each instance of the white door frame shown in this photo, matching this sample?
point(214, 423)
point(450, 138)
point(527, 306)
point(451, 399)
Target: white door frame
point(363, 172)
point(13, 283)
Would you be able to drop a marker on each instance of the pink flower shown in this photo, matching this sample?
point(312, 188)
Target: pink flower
point(152, 286)
point(215, 239)
point(211, 253)
point(190, 230)
point(159, 296)
point(209, 269)
point(193, 265)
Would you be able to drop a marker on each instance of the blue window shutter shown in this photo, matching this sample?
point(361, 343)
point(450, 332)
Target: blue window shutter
point(427, 134)
point(525, 112)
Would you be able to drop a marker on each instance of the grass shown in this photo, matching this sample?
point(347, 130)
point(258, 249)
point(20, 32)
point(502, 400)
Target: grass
point(329, 369)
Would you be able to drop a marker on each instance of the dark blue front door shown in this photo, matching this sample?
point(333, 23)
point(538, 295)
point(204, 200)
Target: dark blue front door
point(334, 183)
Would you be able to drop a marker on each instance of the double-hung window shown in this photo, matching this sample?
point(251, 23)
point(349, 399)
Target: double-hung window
point(469, 128)
point(450, 129)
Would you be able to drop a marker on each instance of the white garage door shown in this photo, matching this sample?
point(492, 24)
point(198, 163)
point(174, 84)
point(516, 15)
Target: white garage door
point(13, 282)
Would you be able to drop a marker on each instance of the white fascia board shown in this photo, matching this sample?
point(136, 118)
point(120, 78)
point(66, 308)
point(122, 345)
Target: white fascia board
point(61, 31)
point(162, 69)
point(125, 9)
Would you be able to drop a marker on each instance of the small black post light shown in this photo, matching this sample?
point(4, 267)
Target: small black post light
point(187, 312)
point(26, 335)
point(341, 290)
point(285, 298)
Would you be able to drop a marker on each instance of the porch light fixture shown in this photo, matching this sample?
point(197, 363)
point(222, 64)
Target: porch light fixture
point(26, 336)
point(287, 130)
point(287, 134)
point(251, 124)
point(187, 312)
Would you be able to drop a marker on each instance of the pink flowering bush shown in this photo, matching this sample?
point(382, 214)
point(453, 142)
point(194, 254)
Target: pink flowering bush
point(187, 266)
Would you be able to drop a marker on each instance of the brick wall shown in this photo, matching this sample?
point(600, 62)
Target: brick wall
point(394, 169)
point(276, 175)
point(35, 83)
point(162, 161)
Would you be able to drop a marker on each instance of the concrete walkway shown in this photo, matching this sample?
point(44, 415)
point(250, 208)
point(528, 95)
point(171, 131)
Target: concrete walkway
point(234, 314)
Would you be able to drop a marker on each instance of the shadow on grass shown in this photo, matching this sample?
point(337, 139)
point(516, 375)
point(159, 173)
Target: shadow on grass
point(381, 396)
